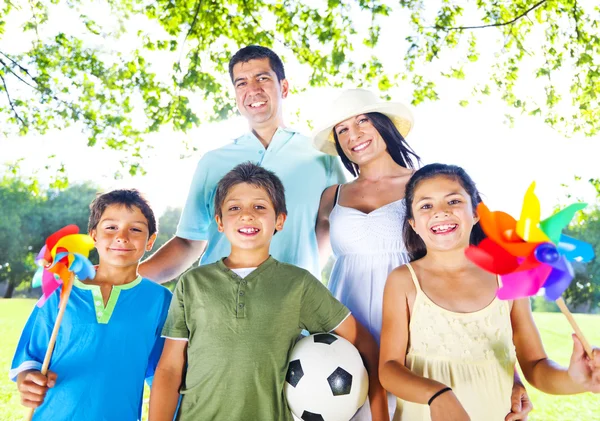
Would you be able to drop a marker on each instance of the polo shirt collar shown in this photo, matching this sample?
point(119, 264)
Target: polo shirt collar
point(282, 134)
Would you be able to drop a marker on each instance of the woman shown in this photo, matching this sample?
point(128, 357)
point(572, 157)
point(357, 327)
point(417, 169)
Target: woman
point(362, 220)
point(365, 216)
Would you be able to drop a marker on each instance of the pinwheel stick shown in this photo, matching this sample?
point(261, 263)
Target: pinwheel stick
point(563, 307)
point(61, 311)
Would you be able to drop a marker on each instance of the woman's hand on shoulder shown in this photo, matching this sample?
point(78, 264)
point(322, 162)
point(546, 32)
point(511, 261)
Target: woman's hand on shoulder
point(447, 407)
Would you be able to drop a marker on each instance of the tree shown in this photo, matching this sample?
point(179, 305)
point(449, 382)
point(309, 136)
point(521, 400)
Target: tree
point(29, 217)
point(103, 72)
point(584, 291)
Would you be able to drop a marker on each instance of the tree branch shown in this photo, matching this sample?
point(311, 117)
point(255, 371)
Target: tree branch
point(12, 106)
point(23, 69)
point(510, 22)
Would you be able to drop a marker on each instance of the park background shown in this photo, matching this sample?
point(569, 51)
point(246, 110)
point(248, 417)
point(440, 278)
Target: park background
point(96, 95)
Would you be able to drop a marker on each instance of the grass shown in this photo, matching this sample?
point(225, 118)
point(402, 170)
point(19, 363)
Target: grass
point(554, 329)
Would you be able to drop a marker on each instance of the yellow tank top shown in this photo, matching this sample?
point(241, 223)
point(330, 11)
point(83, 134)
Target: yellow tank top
point(473, 353)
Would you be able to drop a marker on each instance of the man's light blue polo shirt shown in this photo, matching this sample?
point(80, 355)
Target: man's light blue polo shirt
point(304, 172)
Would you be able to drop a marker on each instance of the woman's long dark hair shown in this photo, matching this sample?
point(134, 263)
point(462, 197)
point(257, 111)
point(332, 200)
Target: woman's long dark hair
point(414, 244)
point(397, 147)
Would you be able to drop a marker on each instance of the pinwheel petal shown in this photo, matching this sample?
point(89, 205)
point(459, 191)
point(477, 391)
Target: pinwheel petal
point(554, 225)
point(524, 283)
point(528, 223)
point(575, 250)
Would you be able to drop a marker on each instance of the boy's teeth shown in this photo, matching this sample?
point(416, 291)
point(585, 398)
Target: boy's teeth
point(248, 230)
point(257, 104)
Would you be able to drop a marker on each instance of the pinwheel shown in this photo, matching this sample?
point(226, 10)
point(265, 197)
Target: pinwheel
point(529, 254)
point(63, 257)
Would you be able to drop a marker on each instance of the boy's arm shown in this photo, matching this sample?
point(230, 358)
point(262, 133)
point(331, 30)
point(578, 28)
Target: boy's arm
point(164, 395)
point(172, 259)
point(351, 330)
point(544, 374)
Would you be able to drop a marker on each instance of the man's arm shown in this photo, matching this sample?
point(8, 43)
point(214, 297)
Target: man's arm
point(174, 257)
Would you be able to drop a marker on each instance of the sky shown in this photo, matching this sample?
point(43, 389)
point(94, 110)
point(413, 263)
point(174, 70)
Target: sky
point(502, 160)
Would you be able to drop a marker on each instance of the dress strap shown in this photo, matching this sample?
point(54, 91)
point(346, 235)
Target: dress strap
point(414, 277)
point(337, 193)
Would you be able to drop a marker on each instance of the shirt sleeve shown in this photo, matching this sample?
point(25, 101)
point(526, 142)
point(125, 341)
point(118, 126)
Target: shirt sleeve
point(320, 311)
point(337, 173)
point(159, 341)
point(196, 215)
point(35, 336)
point(176, 325)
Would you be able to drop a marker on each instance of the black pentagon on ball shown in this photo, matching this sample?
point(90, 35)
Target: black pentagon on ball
point(340, 382)
point(325, 338)
point(309, 416)
point(294, 373)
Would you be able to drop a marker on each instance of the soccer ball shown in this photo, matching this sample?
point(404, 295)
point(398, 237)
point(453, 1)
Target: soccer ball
point(326, 379)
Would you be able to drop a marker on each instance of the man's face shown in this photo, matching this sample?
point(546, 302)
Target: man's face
point(258, 93)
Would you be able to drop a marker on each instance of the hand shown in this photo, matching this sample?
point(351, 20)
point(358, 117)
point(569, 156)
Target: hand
point(33, 385)
point(520, 404)
point(446, 407)
point(583, 370)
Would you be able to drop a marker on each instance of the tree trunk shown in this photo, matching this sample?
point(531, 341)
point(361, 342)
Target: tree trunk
point(10, 288)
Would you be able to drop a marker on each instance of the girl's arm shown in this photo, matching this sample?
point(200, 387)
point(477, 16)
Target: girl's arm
point(544, 374)
point(359, 336)
point(393, 374)
point(322, 227)
point(167, 381)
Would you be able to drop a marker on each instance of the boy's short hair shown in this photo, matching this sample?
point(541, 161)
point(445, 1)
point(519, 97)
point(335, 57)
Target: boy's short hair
point(257, 52)
point(255, 175)
point(124, 197)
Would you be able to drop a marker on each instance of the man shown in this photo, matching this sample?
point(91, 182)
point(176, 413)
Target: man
point(260, 87)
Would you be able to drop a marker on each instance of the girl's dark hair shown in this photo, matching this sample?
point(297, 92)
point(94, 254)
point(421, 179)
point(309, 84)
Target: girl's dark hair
point(124, 197)
point(397, 147)
point(414, 244)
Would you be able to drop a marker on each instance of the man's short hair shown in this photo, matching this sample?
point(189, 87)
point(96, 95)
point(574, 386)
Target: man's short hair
point(257, 52)
point(124, 197)
point(254, 175)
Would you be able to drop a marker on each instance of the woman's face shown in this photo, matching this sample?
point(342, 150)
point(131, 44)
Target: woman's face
point(359, 139)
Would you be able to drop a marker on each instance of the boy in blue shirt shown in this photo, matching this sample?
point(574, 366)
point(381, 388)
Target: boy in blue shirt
point(109, 340)
point(233, 323)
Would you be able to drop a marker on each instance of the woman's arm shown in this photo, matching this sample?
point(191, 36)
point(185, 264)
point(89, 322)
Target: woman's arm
point(359, 336)
point(322, 227)
point(167, 381)
point(393, 374)
point(583, 374)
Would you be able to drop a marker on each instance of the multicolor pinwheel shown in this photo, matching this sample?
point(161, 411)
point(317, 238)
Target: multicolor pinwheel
point(65, 253)
point(530, 254)
point(63, 257)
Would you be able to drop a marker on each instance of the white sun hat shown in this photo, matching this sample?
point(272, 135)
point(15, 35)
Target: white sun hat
point(354, 102)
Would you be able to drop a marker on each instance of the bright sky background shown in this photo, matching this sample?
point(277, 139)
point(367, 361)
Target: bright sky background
point(503, 161)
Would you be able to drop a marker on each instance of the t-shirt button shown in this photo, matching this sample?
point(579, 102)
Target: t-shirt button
point(241, 293)
point(261, 152)
point(241, 306)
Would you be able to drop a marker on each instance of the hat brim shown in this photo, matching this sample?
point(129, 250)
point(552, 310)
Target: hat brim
point(400, 115)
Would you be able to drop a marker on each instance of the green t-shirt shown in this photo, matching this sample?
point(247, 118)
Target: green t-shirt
point(240, 334)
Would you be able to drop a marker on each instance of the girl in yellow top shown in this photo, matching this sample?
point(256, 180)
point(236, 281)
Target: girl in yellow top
point(447, 341)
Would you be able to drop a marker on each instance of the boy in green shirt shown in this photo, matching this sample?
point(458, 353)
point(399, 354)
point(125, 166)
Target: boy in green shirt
point(232, 324)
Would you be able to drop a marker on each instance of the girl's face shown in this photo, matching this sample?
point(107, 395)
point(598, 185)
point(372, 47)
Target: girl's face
point(359, 139)
point(442, 214)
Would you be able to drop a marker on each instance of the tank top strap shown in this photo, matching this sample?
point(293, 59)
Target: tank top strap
point(413, 275)
point(337, 194)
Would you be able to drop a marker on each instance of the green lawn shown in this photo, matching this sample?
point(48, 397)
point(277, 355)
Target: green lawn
point(553, 326)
